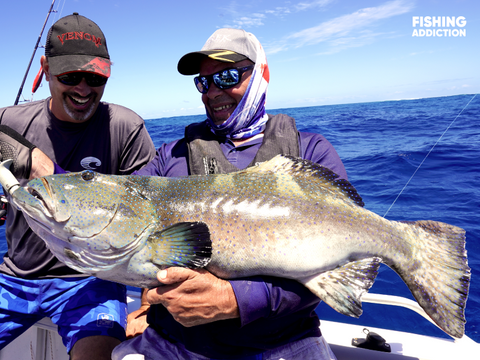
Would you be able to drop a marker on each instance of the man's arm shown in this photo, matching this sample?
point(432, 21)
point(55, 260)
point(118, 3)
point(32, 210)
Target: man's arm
point(196, 297)
point(29, 162)
point(41, 164)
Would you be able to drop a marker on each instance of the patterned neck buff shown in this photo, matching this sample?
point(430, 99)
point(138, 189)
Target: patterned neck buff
point(249, 117)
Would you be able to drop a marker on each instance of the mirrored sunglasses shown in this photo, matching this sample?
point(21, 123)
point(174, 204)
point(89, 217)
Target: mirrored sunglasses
point(224, 79)
point(73, 79)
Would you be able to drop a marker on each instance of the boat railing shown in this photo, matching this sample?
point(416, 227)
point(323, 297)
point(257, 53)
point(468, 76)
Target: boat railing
point(405, 303)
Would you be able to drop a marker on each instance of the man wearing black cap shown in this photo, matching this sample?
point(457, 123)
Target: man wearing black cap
point(71, 130)
point(197, 315)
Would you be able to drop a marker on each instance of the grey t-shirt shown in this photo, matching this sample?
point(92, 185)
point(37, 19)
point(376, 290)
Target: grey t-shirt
point(113, 141)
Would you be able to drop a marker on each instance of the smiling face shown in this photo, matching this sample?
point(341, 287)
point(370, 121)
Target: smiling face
point(75, 104)
point(219, 103)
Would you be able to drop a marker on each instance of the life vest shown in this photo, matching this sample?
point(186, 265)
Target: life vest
point(205, 155)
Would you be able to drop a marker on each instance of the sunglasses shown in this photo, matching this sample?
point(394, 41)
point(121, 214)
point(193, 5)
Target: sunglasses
point(224, 79)
point(73, 79)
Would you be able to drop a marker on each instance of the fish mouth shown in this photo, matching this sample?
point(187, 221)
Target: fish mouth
point(45, 206)
point(53, 205)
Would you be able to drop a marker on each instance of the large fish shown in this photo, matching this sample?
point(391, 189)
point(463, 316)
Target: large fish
point(286, 217)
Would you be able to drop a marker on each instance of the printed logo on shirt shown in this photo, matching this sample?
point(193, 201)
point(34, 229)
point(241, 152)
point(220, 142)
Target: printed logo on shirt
point(90, 163)
point(105, 320)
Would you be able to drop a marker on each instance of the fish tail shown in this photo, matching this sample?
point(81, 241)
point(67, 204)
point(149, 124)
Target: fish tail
point(438, 274)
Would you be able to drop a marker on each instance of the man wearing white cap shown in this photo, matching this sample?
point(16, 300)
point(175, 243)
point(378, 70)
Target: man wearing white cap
point(197, 315)
point(72, 130)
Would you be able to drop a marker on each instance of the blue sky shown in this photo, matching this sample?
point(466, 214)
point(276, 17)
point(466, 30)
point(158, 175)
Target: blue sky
point(319, 52)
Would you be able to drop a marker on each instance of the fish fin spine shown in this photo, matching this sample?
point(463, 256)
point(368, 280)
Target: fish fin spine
point(298, 167)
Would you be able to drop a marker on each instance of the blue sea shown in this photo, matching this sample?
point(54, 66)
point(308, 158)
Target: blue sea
point(382, 145)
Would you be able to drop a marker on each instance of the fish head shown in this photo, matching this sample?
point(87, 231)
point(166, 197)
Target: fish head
point(88, 220)
point(70, 204)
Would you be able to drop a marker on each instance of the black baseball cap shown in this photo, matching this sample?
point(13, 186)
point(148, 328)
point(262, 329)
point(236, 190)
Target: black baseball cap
point(75, 43)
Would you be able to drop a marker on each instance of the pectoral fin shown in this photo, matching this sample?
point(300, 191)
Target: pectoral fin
point(343, 287)
point(185, 244)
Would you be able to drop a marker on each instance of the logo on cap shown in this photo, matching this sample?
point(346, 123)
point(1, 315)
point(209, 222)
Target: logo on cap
point(74, 35)
point(220, 56)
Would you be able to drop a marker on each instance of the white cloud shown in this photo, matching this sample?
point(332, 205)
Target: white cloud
point(348, 24)
point(255, 20)
point(312, 4)
point(421, 53)
point(278, 11)
point(340, 33)
point(343, 32)
point(246, 22)
point(360, 39)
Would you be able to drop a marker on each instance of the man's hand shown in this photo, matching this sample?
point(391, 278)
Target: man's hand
point(14, 146)
point(194, 297)
point(137, 321)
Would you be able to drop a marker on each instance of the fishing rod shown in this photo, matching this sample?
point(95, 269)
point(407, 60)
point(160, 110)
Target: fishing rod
point(33, 55)
point(425, 158)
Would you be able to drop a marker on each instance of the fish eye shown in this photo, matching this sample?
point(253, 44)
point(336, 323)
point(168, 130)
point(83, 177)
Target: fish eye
point(88, 175)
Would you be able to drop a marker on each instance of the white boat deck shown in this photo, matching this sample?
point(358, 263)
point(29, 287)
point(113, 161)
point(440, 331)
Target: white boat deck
point(404, 346)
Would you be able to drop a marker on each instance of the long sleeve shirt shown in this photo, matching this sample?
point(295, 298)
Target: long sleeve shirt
point(273, 311)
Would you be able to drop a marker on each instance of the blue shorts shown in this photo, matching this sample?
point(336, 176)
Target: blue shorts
point(80, 307)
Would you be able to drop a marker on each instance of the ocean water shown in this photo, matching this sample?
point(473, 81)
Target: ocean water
point(382, 145)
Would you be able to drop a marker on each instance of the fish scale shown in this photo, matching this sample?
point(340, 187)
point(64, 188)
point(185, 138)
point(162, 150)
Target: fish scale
point(286, 217)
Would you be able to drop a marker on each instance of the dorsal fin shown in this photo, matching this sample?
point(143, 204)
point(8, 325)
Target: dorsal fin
point(282, 164)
